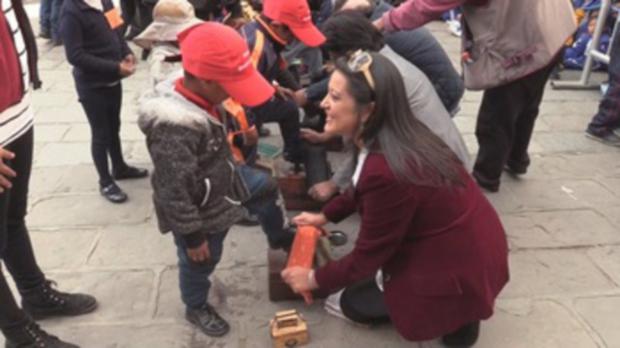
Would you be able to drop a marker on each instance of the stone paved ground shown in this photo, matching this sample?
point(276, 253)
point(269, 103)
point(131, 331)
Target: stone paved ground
point(563, 221)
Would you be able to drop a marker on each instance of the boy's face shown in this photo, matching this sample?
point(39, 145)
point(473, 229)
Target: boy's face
point(591, 26)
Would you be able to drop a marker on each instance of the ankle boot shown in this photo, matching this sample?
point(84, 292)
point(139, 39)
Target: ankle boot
point(44, 301)
point(30, 335)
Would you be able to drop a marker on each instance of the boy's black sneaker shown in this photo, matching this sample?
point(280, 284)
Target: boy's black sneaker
point(207, 320)
point(131, 173)
point(31, 335)
point(113, 193)
point(285, 242)
point(44, 302)
point(466, 336)
point(483, 182)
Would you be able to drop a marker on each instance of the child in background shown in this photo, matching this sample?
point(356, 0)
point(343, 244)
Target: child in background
point(170, 17)
point(575, 56)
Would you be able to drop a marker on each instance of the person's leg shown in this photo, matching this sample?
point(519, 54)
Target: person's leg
point(45, 27)
point(363, 303)
point(264, 203)
point(115, 149)
point(286, 114)
point(18, 254)
point(95, 106)
point(498, 112)
point(55, 21)
point(194, 284)
point(534, 89)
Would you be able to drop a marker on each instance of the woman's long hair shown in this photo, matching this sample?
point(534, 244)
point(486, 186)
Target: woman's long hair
point(413, 152)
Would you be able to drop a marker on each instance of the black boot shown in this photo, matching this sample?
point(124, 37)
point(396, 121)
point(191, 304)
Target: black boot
point(207, 320)
point(44, 301)
point(466, 336)
point(31, 335)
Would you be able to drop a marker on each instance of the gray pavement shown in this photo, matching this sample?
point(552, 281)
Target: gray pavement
point(562, 218)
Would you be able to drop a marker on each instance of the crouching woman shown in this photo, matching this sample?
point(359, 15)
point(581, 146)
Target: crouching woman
point(436, 241)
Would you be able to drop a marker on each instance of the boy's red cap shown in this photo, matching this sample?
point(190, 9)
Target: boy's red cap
point(295, 14)
point(214, 52)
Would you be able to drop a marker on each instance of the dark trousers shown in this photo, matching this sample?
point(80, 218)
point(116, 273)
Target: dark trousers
point(286, 114)
point(608, 116)
point(363, 303)
point(194, 277)
point(263, 203)
point(103, 110)
point(505, 124)
point(15, 247)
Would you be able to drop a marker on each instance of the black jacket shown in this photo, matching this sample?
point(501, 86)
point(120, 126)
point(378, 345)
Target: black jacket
point(92, 47)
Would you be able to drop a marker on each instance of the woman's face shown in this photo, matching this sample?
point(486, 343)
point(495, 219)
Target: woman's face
point(343, 116)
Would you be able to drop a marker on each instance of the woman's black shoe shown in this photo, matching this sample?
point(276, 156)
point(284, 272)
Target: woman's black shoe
point(113, 193)
point(130, 173)
point(466, 336)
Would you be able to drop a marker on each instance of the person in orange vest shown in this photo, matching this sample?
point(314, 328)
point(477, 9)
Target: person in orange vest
point(279, 23)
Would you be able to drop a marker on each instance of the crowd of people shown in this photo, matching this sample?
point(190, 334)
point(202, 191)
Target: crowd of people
point(431, 255)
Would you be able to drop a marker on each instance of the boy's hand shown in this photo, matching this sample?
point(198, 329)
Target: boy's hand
point(127, 66)
point(285, 93)
point(311, 219)
point(131, 59)
point(199, 254)
point(323, 191)
point(313, 136)
point(6, 171)
point(379, 24)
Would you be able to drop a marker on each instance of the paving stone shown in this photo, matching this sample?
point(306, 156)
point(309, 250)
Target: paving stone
point(122, 295)
point(90, 210)
point(560, 194)
point(76, 179)
point(574, 166)
point(133, 246)
point(51, 98)
point(608, 259)
point(612, 213)
point(64, 154)
point(554, 272)
point(72, 113)
point(126, 336)
point(563, 123)
point(53, 247)
point(601, 313)
point(45, 133)
point(521, 324)
point(612, 184)
point(569, 142)
point(559, 229)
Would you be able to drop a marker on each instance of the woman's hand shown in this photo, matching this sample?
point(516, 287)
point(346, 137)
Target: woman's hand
point(5, 171)
point(312, 219)
point(299, 279)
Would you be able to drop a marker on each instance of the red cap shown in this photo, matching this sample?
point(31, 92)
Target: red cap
point(214, 52)
point(295, 14)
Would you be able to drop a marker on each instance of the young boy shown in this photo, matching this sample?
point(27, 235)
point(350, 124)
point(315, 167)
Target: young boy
point(279, 23)
point(197, 189)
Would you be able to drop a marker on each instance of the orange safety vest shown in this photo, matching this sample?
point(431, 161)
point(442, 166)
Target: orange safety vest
point(236, 110)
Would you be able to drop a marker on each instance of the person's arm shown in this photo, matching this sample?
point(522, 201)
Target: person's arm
point(340, 207)
point(317, 91)
point(388, 209)
point(173, 151)
point(415, 13)
point(73, 40)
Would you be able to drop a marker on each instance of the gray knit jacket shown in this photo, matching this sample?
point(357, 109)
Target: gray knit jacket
point(197, 189)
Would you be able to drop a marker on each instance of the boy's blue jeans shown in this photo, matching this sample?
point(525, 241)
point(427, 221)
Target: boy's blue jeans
point(194, 277)
point(263, 203)
point(45, 10)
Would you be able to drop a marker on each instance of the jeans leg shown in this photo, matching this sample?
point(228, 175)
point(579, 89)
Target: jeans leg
point(95, 106)
point(44, 16)
point(286, 114)
point(264, 203)
point(18, 254)
point(194, 277)
point(56, 6)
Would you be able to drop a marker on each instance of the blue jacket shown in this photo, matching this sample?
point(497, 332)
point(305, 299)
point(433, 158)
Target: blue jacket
point(92, 47)
point(575, 56)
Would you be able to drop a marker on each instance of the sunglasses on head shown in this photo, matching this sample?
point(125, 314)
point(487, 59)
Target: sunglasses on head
point(360, 61)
